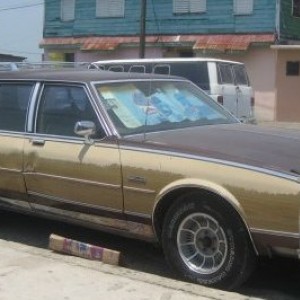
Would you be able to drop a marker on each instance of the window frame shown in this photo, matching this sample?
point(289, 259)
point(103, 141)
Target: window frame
point(192, 7)
point(221, 79)
point(64, 14)
point(108, 13)
point(242, 12)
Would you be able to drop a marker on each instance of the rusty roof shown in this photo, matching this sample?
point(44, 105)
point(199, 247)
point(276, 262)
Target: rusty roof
point(226, 42)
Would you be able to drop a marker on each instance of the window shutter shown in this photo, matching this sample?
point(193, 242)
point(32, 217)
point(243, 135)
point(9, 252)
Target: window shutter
point(180, 6)
point(243, 7)
point(110, 8)
point(197, 6)
point(67, 10)
point(189, 6)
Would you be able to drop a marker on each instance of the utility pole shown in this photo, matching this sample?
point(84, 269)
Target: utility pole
point(143, 28)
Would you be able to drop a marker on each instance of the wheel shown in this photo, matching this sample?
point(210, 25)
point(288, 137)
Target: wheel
point(205, 241)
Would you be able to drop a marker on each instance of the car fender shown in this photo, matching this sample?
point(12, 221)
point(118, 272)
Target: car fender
point(204, 185)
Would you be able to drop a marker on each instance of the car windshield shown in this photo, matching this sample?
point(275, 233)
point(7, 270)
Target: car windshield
point(158, 105)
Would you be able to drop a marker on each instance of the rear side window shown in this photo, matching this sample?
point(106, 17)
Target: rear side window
point(163, 69)
point(225, 74)
point(197, 72)
point(240, 75)
point(117, 68)
point(14, 99)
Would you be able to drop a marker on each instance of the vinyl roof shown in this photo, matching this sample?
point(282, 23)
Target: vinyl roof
point(76, 75)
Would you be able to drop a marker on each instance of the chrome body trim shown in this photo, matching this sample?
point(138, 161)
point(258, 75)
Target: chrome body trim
point(16, 171)
point(276, 233)
point(101, 184)
point(82, 204)
point(143, 231)
point(138, 190)
point(32, 105)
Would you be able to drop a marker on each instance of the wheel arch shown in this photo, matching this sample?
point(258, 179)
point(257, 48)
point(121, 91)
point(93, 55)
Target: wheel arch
point(171, 193)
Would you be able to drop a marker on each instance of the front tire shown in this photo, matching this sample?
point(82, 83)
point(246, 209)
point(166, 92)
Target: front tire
point(206, 242)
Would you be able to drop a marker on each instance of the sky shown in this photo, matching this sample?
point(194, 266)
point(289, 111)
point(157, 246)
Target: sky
point(21, 28)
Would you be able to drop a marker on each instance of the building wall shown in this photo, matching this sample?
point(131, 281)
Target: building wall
point(288, 88)
point(218, 18)
point(290, 26)
point(90, 56)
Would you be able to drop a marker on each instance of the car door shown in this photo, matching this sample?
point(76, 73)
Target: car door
point(228, 88)
point(244, 92)
point(65, 174)
point(14, 100)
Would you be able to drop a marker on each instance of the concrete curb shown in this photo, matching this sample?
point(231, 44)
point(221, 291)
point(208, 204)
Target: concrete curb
point(174, 285)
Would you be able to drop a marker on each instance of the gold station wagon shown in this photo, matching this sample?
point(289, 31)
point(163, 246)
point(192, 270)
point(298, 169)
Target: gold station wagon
point(150, 157)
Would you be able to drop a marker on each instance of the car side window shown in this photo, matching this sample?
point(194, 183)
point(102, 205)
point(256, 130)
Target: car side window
point(14, 99)
point(226, 75)
point(61, 107)
point(240, 75)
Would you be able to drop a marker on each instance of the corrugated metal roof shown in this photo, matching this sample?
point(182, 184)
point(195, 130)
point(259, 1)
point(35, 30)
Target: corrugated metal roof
point(230, 42)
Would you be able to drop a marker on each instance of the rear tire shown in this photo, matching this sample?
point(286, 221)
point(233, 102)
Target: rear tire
point(206, 242)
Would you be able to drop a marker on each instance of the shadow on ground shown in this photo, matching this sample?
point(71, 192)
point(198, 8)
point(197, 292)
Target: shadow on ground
point(276, 279)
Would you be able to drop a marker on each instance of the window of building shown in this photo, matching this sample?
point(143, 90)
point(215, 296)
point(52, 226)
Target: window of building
point(296, 8)
point(243, 7)
point(292, 68)
point(110, 8)
point(14, 99)
point(189, 6)
point(67, 10)
point(69, 57)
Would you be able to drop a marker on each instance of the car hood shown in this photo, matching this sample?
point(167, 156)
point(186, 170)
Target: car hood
point(270, 148)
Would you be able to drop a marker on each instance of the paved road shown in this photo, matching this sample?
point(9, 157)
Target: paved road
point(273, 279)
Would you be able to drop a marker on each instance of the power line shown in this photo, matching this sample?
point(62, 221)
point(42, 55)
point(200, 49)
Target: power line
point(20, 7)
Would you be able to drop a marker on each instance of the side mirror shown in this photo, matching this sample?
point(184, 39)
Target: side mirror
point(85, 129)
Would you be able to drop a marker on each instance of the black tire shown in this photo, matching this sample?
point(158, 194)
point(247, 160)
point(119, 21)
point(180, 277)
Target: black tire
point(205, 241)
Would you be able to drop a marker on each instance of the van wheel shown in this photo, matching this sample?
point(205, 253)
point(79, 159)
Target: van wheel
point(207, 243)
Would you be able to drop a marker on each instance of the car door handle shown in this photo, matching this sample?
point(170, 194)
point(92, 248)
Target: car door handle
point(38, 142)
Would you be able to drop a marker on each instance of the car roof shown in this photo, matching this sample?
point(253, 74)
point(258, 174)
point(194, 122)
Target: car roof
point(166, 60)
point(82, 76)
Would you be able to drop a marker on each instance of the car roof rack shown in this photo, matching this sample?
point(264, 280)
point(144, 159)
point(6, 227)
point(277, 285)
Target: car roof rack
point(17, 66)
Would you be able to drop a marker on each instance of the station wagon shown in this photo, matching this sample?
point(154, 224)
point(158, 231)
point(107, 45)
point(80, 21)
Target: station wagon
point(154, 158)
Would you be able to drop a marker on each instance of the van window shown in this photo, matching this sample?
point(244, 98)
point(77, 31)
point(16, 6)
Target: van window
point(240, 75)
point(14, 99)
point(137, 69)
point(116, 68)
point(162, 69)
point(226, 76)
point(196, 72)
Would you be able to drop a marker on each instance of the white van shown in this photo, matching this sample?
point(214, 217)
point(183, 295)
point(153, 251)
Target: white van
point(225, 81)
